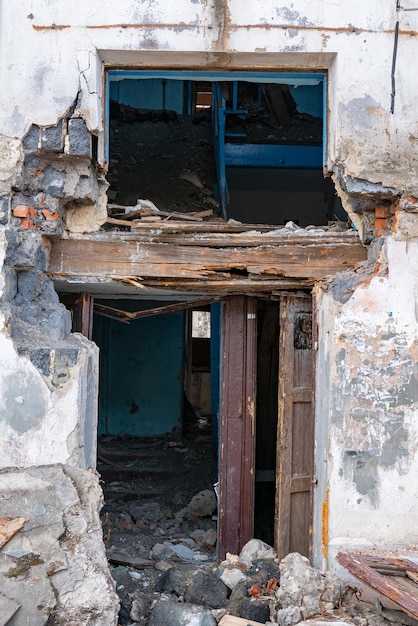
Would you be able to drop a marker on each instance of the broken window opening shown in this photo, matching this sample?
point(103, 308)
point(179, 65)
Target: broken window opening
point(245, 146)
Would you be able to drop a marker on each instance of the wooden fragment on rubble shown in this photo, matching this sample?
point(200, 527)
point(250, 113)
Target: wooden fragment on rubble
point(396, 579)
point(231, 620)
point(9, 527)
point(118, 558)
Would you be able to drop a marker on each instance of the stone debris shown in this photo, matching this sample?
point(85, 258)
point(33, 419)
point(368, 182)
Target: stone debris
point(234, 593)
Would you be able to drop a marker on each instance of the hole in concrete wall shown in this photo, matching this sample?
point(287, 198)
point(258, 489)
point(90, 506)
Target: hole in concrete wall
point(250, 150)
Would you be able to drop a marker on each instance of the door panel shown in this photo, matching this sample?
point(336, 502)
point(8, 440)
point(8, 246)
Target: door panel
point(295, 434)
point(236, 510)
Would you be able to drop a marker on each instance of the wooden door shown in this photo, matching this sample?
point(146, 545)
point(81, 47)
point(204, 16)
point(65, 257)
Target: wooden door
point(295, 432)
point(81, 306)
point(237, 457)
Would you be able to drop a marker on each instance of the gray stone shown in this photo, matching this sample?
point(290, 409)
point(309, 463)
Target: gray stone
point(56, 323)
point(4, 209)
point(167, 612)
point(53, 182)
point(40, 357)
point(33, 284)
point(79, 138)
point(138, 609)
point(52, 137)
point(203, 503)
point(10, 284)
point(26, 249)
point(31, 140)
point(161, 551)
point(207, 589)
point(174, 580)
point(256, 549)
point(255, 609)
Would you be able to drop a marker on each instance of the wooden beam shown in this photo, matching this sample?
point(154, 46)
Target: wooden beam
point(223, 259)
point(401, 592)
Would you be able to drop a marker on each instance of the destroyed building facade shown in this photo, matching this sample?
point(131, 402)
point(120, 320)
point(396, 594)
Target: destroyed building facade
point(311, 286)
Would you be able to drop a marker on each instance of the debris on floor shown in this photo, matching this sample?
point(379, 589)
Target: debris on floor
point(160, 532)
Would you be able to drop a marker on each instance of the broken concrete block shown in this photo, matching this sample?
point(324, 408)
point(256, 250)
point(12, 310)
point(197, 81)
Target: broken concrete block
point(52, 137)
point(32, 139)
point(53, 182)
point(55, 567)
point(232, 577)
point(303, 586)
point(256, 549)
point(27, 250)
point(79, 138)
point(180, 613)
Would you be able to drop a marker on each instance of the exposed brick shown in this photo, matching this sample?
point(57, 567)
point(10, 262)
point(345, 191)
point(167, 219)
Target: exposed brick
point(381, 211)
point(50, 216)
point(380, 223)
point(21, 210)
point(27, 223)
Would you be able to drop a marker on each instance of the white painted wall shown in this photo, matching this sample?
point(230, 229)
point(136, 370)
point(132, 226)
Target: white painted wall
point(49, 49)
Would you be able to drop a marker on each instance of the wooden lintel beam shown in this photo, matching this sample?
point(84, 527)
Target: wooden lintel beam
point(126, 257)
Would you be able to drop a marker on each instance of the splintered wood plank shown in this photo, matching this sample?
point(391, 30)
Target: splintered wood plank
point(401, 590)
point(130, 258)
point(9, 527)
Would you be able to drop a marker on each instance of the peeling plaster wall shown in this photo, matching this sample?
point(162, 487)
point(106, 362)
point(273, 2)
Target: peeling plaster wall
point(366, 451)
point(55, 49)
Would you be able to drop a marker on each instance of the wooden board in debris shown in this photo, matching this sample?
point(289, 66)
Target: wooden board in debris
point(396, 579)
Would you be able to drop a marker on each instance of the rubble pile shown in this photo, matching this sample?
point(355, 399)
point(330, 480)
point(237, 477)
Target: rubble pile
point(246, 589)
point(160, 532)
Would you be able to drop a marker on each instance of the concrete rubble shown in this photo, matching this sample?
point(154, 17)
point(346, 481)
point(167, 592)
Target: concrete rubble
point(54, 570)
point(250, 588)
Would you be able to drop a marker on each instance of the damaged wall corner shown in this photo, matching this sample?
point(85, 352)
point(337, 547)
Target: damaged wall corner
point(368, 365)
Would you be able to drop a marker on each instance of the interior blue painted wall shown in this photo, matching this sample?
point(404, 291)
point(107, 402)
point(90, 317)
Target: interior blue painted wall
point(141, 388)
point(309, 99)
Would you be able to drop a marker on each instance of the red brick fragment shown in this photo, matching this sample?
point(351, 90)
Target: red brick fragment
point(255, 591)
point(21, 210)
point(27, 223)
point(272, 584)
point(48, 215)
point(381, 211)
point(380, 223)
